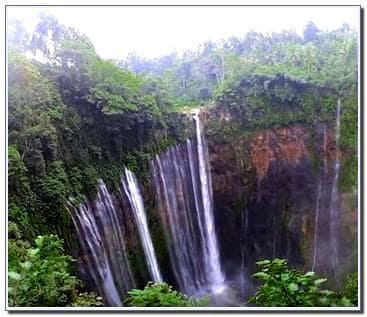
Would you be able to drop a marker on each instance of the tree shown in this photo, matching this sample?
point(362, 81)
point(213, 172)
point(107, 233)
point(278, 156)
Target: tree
point(17, 36)
point(310, 57)
point(48, 34)
point(34, 108)
point(310, 32)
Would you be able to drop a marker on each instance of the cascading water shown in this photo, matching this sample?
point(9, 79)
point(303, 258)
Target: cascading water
point(315, 238)
point(327, 212)
point(319, 199)
point(212, 250)
point(132, 191)
point(334, 204)
point(185, 205)
point(99, 227)
point(243, 240)
point(96, 261)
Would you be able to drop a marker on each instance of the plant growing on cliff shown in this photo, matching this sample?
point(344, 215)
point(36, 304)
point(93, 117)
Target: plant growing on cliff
point(284, 287)
point(161, 295)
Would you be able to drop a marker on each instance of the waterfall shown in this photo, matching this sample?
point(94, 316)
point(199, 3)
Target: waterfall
point(334, 207)
point(319, 198)
point(185, 205)
point(96, 261)
point(275, 236)
point(327, 211)
point(315, 242)
point(132, 191)
point(212, 250)
point(99, 227)
point(243, 249)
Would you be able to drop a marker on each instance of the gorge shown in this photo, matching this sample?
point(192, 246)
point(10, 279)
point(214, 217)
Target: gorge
point(182, 182)
point(193, 180)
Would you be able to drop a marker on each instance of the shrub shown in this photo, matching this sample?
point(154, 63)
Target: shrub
point(351, 289)
point(286, 287)
point(161, 295)
point(44, 279)
point(17, 248)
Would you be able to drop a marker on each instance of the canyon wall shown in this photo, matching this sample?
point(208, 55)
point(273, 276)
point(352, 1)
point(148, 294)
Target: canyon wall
point(267, 180)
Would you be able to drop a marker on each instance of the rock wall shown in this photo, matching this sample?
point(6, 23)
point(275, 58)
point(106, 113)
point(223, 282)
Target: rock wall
point(273, 152)
point(265, 187)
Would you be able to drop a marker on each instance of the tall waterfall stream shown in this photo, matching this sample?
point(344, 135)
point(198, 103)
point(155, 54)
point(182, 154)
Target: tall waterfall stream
point(185, 203)
point(131, 188)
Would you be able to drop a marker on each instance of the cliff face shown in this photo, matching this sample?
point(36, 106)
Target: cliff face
point(269, 146)
point(266, 191)
point(273, 156)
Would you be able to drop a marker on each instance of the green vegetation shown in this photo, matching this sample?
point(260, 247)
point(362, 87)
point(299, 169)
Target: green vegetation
point(42, 276)
point(87, 300)
point(61, 113)
point(349, 141)
point(161, 295)
point(351, 289)
point(284, 287)
point(324, 58)
point(75, 117)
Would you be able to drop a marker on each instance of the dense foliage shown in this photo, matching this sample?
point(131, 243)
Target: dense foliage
point(284, 287)
point(42, 276)
point(350, 290)
point(161, 295)
point(326, 58)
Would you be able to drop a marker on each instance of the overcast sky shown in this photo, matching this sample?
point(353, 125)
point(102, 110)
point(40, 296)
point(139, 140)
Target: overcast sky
point(155, 31)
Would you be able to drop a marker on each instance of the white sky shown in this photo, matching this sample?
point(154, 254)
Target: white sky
point(154, 31)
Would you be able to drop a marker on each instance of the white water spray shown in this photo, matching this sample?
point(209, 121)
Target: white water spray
point(185, 205)
point(132, 191)
point(212, 250)
point(100, 230)
point(334, 208)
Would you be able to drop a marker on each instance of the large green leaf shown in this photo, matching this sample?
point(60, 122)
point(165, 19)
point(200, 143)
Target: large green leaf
point(14, 275)
point(293, 287)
